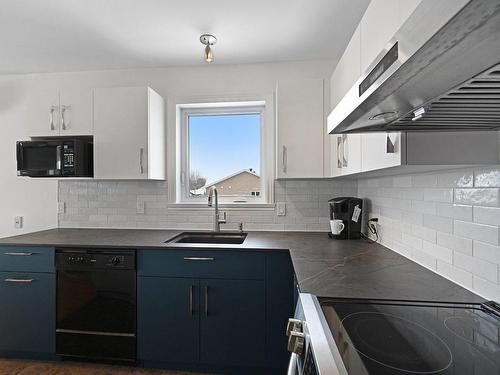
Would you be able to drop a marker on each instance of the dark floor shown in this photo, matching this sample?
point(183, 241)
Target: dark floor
point(21, 367)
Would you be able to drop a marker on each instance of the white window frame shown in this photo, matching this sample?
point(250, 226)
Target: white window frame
point(180, 195)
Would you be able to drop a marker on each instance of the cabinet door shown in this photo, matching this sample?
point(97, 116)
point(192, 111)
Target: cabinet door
point(300, 128)
point(232, 324)
point(380, 150)
point(347, 71)
point(76, 112)
point(168, 319)
point(346, 153)
point(280, 306)
point(121, 133)
point(378, 26)
point(27, 314)
point(42, 109)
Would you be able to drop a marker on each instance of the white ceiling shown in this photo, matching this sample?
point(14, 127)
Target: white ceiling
point(73, 35)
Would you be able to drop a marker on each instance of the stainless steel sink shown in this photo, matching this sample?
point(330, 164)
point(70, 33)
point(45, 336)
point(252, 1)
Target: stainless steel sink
point(209, 238)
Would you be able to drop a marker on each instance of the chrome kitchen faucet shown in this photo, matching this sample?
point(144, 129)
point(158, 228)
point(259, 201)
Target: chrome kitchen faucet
point(213, 195)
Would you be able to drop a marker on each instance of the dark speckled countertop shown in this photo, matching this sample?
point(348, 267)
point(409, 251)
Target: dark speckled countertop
point(324, 267)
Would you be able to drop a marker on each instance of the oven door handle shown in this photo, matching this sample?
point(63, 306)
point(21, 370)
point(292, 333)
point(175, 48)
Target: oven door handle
point(293, 365)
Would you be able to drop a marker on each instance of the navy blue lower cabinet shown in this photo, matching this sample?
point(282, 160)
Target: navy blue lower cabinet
point(280, 306)
point(232, 323)
point(168, 319)
point(27, 312)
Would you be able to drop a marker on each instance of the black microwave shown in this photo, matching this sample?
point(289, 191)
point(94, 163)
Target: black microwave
point(55, 158)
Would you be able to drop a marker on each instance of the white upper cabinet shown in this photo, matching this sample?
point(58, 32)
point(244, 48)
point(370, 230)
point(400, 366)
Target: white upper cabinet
point(301, 128)
point(129, 134)
point(347, 71)
point(346, 154)
point(381, 150)
point(53, 112)
point(379, 24)
point(75, 112)
point(42, 109)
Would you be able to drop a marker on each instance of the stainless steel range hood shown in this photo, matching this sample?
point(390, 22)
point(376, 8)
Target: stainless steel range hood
point(440, 72)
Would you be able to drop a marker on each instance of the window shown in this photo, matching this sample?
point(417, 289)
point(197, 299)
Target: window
point(221, 145)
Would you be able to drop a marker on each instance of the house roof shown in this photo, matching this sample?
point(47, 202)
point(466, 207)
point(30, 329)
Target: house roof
point(230, 176)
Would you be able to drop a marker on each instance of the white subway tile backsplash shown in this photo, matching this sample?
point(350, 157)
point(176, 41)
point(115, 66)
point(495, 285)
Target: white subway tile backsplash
point(439, 252)
point(114, 204)
point(478, 197)
point(481, 232)
point(456, 179)
point(487, 215)
point(489, 177)
point(463, 245)
point(455, 274)
point(455, 211)
point(439, 223)
point(487, 289)
point(438, 195)
point(448, 221)
point(424, 180)
point(487, 252)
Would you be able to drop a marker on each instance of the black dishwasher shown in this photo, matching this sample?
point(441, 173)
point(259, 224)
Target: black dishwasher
point(96, 304)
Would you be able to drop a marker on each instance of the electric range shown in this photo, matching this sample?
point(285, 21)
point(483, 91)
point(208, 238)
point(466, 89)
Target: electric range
point(361, 337)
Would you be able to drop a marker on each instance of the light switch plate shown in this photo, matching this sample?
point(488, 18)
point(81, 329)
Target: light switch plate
point(140, 207)
point(61, 207)
point(281, 209)
point(18, 222)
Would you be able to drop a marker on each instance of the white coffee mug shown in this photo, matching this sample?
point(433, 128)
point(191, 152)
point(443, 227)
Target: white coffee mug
point(337, 226)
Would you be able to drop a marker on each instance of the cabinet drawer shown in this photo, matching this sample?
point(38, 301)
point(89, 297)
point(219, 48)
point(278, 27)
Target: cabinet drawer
point(26, 259)
point(27, 316)
point(201, 264)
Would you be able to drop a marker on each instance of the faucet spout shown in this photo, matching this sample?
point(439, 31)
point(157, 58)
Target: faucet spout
point(213, 201)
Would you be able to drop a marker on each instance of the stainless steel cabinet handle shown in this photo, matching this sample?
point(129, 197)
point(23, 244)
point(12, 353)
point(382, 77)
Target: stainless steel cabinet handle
point(200, 259)
point(284, 158)
point(51, 117)
point(390, 146)
point(63, 120)
point(141, 157)
point(19, 254)
point(206, 301)
point(191, 289)
point(19, 281)
point(345, 152)
point(340, 147)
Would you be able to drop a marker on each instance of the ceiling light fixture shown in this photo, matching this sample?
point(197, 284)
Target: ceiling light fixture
point(208, 40)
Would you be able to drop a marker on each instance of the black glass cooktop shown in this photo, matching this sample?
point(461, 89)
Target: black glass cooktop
point(395, 338)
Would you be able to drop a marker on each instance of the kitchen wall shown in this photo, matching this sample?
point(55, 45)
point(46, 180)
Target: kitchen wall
point(113, 204)
point(448, 221)
point(36, 200)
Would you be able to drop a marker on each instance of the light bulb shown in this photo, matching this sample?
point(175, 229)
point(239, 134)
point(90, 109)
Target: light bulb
point(209, 54)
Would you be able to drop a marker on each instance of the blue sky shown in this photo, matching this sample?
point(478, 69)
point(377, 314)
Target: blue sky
point(224, 144)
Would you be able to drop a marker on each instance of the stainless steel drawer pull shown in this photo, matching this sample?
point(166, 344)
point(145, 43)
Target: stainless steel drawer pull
point(206, 301)
point(19, 281)
point(95, 333)
point(206, 259)
point(191, 310)
point(19, 254)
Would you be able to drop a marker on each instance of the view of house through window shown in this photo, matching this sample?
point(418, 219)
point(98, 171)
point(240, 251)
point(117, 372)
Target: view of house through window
point(224, 150)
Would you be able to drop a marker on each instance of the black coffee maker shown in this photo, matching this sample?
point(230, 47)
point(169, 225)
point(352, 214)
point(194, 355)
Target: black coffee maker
point(349, 210)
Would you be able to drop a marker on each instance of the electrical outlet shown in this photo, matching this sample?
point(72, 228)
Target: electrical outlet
point(281, 209)
point(61, 207)
point(141, 207)
point(18, 222)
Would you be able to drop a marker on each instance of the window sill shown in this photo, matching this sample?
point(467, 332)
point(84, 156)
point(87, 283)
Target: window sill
point(223, 206)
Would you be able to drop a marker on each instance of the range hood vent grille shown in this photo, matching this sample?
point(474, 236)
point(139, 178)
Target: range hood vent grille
point(475, 103)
